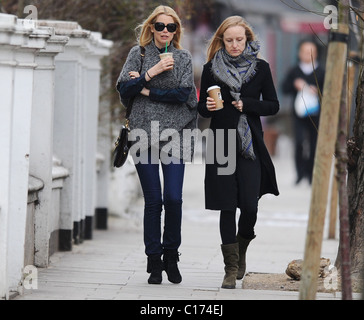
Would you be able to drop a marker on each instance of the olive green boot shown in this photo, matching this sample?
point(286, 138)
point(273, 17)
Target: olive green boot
point(231, 257)
point(243, 246)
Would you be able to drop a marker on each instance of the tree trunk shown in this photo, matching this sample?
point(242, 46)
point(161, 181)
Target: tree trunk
point(342, 160)
point(335, 67)
point(356, 179)
point(356, 187)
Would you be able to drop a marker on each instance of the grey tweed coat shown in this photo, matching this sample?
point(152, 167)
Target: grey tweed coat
point(168, 117)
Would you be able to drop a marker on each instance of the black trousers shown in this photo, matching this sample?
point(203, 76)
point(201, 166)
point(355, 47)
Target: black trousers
point(305, 134)
point(248, 175)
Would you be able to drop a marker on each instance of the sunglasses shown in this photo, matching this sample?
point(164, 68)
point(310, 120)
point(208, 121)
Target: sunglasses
point(171, 27)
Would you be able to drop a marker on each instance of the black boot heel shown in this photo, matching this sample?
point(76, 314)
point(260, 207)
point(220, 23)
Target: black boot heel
point(170, 260)
point(155, 268)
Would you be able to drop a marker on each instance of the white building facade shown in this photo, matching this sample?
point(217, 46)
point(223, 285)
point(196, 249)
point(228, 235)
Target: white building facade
point(50, 165)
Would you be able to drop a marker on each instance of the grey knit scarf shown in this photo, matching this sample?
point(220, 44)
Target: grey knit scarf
point(234, 72)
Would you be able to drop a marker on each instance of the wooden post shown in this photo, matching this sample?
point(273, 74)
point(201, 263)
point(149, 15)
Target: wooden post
point(336, 62)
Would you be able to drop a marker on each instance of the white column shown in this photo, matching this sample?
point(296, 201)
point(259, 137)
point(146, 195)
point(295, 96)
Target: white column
point(68, 123)
point(7, 64)
point(19, 158)
point(17, 53)
point(75, 125)
point(92, 81)
point(97, 48)
point(24, 55)
point(41, 152)
point(104, 148)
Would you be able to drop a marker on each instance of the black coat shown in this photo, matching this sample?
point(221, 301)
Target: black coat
point(221, 190)
point(315, 78)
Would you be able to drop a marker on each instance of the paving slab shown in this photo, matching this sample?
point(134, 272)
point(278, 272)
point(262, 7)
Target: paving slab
point(112, 266)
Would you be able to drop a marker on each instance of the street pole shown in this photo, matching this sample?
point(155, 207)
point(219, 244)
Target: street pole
point(335, 67)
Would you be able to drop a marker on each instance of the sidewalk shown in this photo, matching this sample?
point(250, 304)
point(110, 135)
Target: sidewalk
point(113, 265)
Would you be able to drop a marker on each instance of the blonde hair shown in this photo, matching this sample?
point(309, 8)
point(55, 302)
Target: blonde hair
point(146, 35)
point(217, 41)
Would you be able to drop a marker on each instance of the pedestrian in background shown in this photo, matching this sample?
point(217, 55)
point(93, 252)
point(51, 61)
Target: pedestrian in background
point(165, 94)
point(234, 66)
point(303, 83)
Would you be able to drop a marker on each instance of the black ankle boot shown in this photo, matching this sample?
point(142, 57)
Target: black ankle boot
point(155, 268)
point(170, 260)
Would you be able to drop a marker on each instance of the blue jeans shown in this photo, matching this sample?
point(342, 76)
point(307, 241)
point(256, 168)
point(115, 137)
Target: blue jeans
point(173, 175)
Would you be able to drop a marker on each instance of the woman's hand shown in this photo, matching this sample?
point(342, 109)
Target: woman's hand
point(211, 104)
point(145, 92)
point(162, 66)
point(238, 105)
point(134, 74)
point(299, 84)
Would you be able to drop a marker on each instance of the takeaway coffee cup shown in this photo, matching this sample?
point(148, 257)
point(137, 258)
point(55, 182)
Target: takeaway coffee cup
point(215, 93)
point(166, 55)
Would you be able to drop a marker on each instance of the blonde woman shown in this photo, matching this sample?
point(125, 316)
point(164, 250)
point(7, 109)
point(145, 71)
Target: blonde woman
point(248, 92)
point(164, 101)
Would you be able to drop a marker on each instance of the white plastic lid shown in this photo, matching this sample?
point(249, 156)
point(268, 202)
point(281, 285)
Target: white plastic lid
point(212, 88)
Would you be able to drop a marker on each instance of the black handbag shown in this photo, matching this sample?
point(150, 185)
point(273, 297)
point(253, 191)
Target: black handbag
point(122, 144)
